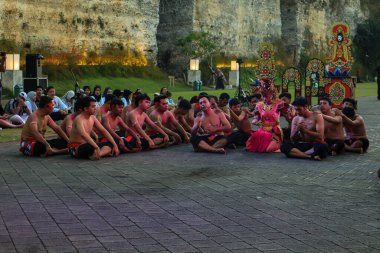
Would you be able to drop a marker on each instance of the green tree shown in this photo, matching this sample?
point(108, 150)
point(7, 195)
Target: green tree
point(201, 45)
point(366, 43)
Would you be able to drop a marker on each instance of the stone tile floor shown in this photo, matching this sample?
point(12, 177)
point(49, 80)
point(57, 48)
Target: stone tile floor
point(175, 200)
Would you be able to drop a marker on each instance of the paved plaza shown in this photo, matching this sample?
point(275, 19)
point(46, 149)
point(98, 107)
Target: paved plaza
point(175, 200)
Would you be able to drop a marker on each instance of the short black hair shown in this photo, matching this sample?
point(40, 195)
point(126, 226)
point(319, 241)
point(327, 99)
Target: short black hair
point(86, 101)
point(40, 87)
point(224, 96)
point(141, 97)
point(49, 88)
point(109, 97)
point(194, 99)
point(300, 101)
point(158, 98)
point(234, 101)
point(352, 101)
point(86, 87)
point(78, 104)
point(286, 94)
point(44, 100)
point(97, 87)
point(116, 101)
point(214, 97)
point(184, 104)
point(326, 99)
point(204, 96)
point(118, 93)
point(256, 95)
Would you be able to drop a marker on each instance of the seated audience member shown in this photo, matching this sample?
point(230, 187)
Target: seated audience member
point(97, 95)
point(184, 114)
point(107, 91)
point(40, 91)
point(33, 142)
point(20, 109)
point(310, 126)
point(171, 102)
point(164, 91)
point(68, 100)
point(208, 130)
point(60, 110)
point(241, 121)
point(127, 94)
point(127, 139)
point(120, 95)
point(31, 98)
point(167, 122)
point(5, 123)
point(356, 136)
point(81, 144)
point(334, 134)
point(87, 90)
point(137, 119)
point(288, 112)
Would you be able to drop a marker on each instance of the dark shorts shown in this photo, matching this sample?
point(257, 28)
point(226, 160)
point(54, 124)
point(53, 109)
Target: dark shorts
point(320, 149)
point(335, 145)
point(86, 150)
point(35, 148)
point(365, 142)
point(210, 139)
point(239, 138)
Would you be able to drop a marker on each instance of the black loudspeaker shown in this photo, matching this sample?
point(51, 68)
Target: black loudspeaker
point(33, 65)
point(30, 84)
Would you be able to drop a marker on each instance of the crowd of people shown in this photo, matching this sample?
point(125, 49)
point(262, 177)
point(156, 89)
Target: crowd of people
point(91, 124)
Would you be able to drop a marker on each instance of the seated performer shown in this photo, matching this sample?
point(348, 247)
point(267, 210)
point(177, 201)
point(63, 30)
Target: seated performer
point(209, 127)
point(184, 114)
point(356, 136)
point(268, 137)
point(240, 120)
point(310, 126)
point(81, 144)
point(287, 111)
point(136, 120)
point(105, 108)
point(112, 120)
point(33, 142)
point(67, 123)
point(167, 122)
point(334, 134)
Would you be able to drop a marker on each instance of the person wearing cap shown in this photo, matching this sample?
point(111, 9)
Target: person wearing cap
point(20, 109)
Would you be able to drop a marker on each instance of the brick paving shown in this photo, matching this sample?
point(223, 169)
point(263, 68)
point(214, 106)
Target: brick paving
point(175, 200)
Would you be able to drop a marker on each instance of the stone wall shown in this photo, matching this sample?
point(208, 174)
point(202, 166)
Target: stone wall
point(81, 25)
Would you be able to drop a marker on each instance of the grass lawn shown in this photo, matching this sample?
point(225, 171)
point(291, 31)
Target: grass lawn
point(151, 86)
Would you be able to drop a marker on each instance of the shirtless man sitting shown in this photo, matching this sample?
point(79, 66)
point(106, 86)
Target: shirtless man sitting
point(81, 144)
point(33, 142)
point(241, 121)
point(356, 136)
point(167, 122)
point(184, 114)
point(209, 127)
point(136, 120)
point(67, 123)
point(311, 128)
point(334, 134)
point(112, 121)
point(105, 108)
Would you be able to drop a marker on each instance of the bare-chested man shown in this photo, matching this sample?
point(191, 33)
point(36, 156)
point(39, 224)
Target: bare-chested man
point(167, 122)
point(288, 112)
point(111, 121)
point(334, 134)
point(33, 142)
point(136, 120)
point(81, 144)
point(130, 107)
point(209, 127)
point(67, 123)
point(184, 114)
point(311, 128)
point(105, 108)
point(241, 121)
point(356, 136)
